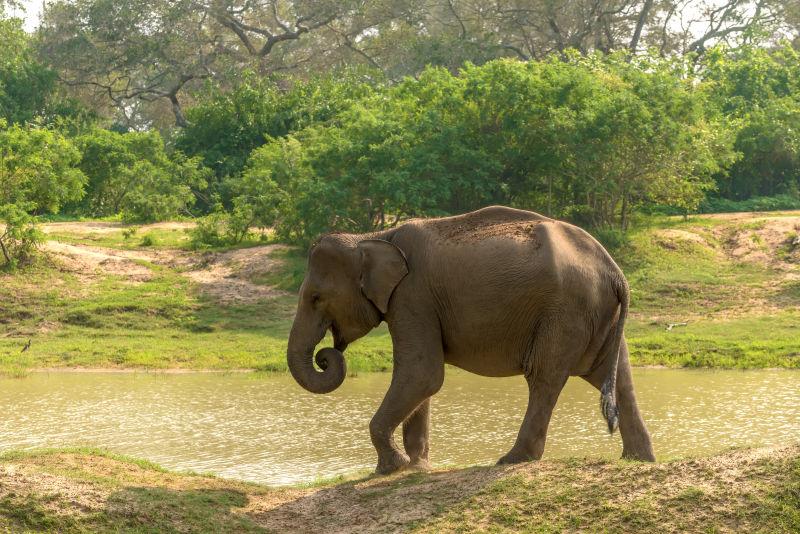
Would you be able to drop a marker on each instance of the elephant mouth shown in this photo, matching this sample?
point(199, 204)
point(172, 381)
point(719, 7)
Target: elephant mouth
point(339, 342)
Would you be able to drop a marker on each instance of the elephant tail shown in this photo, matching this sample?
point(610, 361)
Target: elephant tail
point(608, 394)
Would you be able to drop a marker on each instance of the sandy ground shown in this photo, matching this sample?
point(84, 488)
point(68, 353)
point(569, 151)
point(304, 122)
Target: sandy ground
point(228, 277)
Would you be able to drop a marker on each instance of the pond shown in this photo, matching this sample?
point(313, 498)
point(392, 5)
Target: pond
point(266, 429)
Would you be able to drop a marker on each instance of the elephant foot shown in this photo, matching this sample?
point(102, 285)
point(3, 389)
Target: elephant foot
point(395, 462)
point(420, 464)
point(515, 457)
point(638, 456)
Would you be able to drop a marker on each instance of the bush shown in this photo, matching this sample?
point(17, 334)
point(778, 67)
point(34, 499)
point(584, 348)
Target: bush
point(221, 229)
point(133, 174)
point(724, 205)
point(19, 236)
point(592, 139)
point(210, 231)
point(37, 175)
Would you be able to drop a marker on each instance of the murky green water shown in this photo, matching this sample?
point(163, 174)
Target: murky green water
point(269, 430)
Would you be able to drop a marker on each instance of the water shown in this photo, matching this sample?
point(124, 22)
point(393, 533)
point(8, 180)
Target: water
point(266, 429)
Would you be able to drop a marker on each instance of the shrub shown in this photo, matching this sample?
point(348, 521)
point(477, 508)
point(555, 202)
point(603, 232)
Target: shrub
point(133, 174)
point(19, 236)
point(724, 205)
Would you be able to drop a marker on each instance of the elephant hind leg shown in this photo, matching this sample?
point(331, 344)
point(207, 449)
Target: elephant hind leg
point(542, 397)
point(636, 444)
point(546, 369)
point(416, 430)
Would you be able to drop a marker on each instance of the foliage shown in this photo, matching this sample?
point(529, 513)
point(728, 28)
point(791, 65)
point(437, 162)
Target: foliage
point(25, 84)
point(162, 190)
point(724, 205)
point(141, 62)
point(226, 126)
point(143, 59)
point(132, 174)
point(759, 91)
point(590, 139)
point(38, 169)
point(37, 175)
point(19, 236)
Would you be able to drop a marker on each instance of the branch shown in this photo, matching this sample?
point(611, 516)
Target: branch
point(288, 36)
point(463, 34)
point(715, 32)
point(637, 33)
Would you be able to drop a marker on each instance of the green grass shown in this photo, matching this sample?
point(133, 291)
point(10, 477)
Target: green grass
point(738, 314)
point(88, 490)
point(128, 238)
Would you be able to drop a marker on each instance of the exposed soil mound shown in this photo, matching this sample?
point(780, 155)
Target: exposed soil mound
point(90, 262)
point(769, 240)
point(228, 277)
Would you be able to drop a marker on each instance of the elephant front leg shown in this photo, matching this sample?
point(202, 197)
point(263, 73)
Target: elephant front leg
point(406, 394)
point(418, 374)
point(416, 430)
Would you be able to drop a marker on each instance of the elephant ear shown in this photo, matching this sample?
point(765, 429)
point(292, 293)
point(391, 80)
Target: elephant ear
point(383, 265)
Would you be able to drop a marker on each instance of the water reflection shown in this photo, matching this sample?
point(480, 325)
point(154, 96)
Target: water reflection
point(267, 429)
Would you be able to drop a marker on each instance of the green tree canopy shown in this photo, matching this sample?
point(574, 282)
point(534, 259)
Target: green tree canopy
point(26, 85)
point(132, 173)
point(591, 139)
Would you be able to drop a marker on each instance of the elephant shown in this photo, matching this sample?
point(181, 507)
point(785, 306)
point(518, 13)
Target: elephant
point(497, 292)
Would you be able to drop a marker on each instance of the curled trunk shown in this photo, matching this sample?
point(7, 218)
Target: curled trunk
point(299, 356)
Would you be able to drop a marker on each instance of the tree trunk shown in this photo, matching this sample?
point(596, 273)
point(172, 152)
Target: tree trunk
point(5, 252)
point(624, 214)
point(180, 118)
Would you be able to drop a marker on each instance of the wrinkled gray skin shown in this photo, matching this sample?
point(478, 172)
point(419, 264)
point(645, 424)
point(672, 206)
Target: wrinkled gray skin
point(497, 292)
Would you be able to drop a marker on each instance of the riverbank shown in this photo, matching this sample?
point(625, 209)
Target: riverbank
point(88, 490)
point(719, 291)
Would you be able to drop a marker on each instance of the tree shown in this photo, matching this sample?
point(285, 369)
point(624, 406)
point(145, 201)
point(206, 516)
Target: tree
point(592, 139)
point(133, 174)
point(38, 174)
point(148, 57)
point(139, 53)
point(226, 126)
point(757, 90)
point(26, 86)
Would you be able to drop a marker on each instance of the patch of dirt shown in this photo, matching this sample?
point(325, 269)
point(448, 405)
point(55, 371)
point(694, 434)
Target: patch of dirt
point(88, 263)
point(228, 277)
point(380, 504)
point(672, 234)
point(771, 241)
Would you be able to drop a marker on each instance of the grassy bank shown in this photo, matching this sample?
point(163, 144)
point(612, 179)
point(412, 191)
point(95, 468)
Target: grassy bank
point(713, 291)
point(86, 490)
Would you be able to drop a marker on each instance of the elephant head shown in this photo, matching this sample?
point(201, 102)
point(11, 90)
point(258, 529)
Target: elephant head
point(348, 284)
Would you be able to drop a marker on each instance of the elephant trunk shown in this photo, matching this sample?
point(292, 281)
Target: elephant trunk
point(299, 356)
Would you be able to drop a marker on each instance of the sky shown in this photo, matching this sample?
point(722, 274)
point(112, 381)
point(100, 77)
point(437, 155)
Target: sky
point(33, 9)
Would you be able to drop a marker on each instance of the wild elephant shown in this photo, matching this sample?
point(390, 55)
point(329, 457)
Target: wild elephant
point(496, 292)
